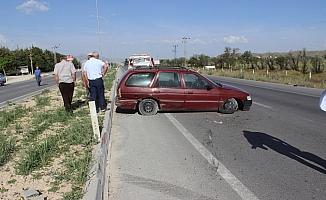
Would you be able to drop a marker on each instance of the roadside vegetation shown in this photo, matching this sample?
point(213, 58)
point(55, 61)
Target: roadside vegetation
point(289, 77)
point(44, 148)
point(304, 68)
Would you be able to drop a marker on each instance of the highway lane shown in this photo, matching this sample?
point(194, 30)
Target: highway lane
point(16, 91)
point(20, 90)
point(276, 150)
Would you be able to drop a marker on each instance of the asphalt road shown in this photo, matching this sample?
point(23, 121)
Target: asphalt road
point(275, 151)
point(18, 91)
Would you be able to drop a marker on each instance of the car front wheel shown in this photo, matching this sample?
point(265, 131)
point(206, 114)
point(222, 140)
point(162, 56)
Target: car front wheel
point(229, 106)
point(148, 107)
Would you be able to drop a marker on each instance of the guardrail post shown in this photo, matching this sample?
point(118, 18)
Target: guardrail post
point(94, 119)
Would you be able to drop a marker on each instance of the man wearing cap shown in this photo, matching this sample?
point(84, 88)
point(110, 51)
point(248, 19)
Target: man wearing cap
point(65, 77)
point(94, 70)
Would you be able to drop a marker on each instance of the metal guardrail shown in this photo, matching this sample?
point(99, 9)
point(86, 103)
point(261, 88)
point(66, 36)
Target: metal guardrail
point(94, 188)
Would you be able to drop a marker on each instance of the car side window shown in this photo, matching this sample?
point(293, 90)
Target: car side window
point(194, 81)
point(168, 80)
point(140, 79)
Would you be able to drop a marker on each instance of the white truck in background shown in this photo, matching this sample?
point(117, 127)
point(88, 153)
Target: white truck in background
point(141, 60)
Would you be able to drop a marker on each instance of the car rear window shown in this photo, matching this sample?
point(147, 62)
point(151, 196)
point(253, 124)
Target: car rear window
point(140, 79)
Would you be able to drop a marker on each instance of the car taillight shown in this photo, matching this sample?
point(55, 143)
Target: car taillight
point(119, 93)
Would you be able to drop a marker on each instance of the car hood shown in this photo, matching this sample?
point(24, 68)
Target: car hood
point(229, 87)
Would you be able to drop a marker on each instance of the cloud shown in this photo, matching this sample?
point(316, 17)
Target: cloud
point(235, 39)
point(199, 41)
point(31, 6)
point(2, 39)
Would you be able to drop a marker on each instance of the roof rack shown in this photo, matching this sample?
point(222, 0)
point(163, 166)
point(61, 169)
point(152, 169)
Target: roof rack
point(160, 67)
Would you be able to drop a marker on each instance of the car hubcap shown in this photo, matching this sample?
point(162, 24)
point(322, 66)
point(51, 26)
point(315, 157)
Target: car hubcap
point(148, 107)
point(230, 105)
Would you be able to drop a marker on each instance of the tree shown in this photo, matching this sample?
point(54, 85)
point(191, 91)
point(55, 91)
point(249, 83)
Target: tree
point(246, 58)
point(317, 64)
point(304, 60)
point(6, 61)
point(282, 62)
point(294, 61)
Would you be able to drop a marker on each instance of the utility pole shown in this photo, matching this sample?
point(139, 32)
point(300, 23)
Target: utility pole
point(55, 53)
point(184, 41)
point(31, 59)
point(175, 53)
point(98, 29)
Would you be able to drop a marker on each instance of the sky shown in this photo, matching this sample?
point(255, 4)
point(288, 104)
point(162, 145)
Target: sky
point(155, 26)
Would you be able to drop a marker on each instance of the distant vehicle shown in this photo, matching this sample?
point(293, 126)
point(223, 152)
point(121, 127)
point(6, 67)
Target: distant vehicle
point(140, 60)
point(176, 89)
point(22, 70)
point(3, 79)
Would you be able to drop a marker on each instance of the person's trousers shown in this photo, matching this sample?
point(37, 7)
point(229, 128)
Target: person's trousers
point(38, 80)
point(67, 91)
point(96, 88)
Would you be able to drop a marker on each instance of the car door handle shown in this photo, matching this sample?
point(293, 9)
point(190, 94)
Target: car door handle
point(189, 92)
point(156, 91)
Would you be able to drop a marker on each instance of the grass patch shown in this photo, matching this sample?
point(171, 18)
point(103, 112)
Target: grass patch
point(9, 116)
point(37, 155)
point(43, 120)
point(7, 147)
point(109, 78)
point(3, 190)
point(12, 181)
point(42, 100)
point(75, 194)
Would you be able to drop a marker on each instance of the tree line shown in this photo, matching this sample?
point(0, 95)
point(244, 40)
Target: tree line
point(10, 60)
point(233, 59)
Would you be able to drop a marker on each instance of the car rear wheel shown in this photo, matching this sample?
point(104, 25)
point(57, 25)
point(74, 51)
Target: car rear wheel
point(229, 106)
point(148, 107)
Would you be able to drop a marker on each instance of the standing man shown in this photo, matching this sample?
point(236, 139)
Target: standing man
point(65, 77)
point(38, 77)
point(94, 71)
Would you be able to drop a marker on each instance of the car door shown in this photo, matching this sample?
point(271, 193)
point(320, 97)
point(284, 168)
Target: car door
point(200, 94)
point(168, 90)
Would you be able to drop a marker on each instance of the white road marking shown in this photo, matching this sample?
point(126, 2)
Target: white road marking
point(262, 105)
point(236, 185)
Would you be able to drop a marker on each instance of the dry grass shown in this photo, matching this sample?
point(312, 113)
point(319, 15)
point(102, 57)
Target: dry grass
point(285, 77)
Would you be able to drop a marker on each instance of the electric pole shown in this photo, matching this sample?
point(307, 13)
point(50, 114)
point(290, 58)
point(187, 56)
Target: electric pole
point(184, 41)
point(98, 28)
point(55, 53)
point(175, 53)
point(31, 59)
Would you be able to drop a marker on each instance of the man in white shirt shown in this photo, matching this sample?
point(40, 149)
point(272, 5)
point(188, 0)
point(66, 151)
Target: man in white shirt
point(94, 71)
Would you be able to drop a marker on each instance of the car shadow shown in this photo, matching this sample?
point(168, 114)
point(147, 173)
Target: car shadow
point(265, 141)
point(125, 111)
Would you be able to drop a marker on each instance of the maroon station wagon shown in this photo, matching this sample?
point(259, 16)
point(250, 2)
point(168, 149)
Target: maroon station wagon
point(176, 89)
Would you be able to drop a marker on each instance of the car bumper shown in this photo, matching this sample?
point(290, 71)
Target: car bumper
point(247, 104)
point(126, 104)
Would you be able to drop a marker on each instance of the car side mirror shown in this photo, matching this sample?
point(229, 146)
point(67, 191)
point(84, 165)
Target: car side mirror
point(208, 87)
